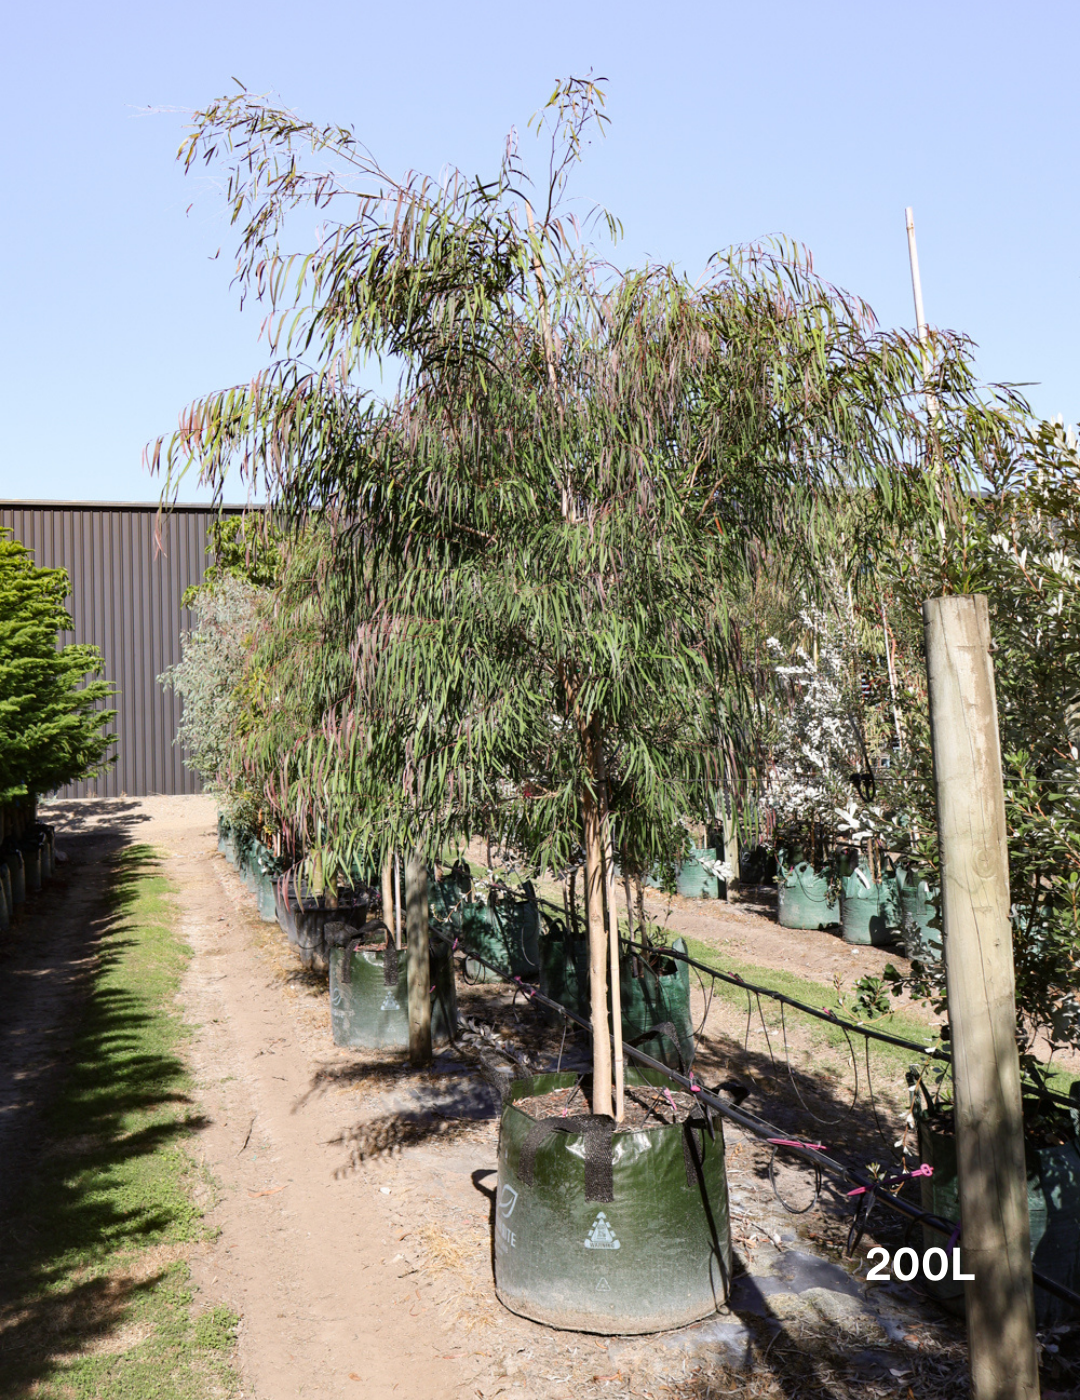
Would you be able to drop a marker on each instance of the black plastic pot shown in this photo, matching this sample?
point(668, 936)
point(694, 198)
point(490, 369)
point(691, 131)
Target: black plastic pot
point(369, 991)
point(623, 1233)
point(304, 917)
point(13, 859)
point(5, 890)
point(31, 854)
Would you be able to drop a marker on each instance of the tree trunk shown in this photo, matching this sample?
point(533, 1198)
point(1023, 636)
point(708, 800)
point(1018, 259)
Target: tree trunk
point(607, 847)
point(730, 824)
point(419, 961)
point(598, 948)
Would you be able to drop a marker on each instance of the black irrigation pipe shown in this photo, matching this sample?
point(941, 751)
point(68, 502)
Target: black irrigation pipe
point(830, 1017)
point(759, 1127)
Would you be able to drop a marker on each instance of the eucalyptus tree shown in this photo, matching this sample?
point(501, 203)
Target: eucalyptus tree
point(535, 537)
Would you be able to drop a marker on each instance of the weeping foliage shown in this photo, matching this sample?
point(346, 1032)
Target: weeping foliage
point(511, 580)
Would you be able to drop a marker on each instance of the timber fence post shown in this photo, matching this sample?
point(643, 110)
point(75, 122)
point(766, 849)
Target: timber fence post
point(995, 1243)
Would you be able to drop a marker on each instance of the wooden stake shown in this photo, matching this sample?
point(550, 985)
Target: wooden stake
point(598, 959)
point(397, 900)
point(416, 928)
point(608, 852)
point(388, 893)
point(996, 1240)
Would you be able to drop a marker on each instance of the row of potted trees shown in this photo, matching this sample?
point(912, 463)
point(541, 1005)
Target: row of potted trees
point(515, 583)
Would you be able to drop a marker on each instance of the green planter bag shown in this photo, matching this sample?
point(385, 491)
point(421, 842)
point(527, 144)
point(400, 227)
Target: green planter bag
point(564, 970)
point(653, 998)
point(918, 907)
point(693, 880)
point(610, 1233)
point(5, 890)
point(869, 912)
point(263, 867)
point(802, 897)
point(1053, 1192)
point(369, 993)
point(5, 907)
point(506, 934)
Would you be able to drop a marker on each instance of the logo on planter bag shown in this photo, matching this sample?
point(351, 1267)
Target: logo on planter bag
point(390, 1001)
point(602, 1236)
point(507, 1201)
point(603, 1286)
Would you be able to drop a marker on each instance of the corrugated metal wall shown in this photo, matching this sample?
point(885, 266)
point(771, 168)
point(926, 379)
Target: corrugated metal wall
point(125, 599)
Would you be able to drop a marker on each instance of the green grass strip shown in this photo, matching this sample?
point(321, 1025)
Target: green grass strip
point(98, 1301)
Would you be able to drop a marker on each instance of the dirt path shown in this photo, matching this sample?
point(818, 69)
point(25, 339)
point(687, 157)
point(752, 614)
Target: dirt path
point(354, 1196)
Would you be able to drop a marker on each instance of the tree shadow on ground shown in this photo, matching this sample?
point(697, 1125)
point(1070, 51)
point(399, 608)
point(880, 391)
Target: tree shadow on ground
point(75, 818)
point(93, 1192)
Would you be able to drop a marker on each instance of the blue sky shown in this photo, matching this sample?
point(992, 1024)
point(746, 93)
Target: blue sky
point(729, 122)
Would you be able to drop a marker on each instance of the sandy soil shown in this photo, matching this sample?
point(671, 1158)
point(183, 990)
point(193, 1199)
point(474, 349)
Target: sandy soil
point(353, 1198)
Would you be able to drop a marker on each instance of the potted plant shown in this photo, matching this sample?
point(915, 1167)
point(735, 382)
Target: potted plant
point(517, 610)
point(817, 748)
point(1052, 1149)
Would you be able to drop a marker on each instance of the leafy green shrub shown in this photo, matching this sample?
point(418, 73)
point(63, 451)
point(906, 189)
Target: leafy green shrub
point(53, 729)
point(210, 678)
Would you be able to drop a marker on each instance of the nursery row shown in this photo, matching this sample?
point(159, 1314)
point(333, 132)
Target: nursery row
point(897, 907)
point(556, 1231)
point(27, 860)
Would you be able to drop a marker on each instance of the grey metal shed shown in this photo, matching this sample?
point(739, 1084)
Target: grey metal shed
point(126, 588)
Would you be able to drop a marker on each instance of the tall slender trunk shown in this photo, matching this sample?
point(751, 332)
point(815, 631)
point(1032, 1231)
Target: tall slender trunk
point(397, 900)
point(607, 847)
point(598, 947)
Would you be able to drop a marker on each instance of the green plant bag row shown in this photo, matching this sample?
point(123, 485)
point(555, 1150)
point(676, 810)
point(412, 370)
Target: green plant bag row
point(262, 867)
point(368, 1012)
point(649, 998)
point(505, 933)
point(803, 898)
point(653, 1254)
point(1053, 1191)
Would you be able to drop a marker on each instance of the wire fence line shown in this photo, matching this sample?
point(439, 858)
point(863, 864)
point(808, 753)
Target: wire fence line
point(866, 1189)
point(818, 1013)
